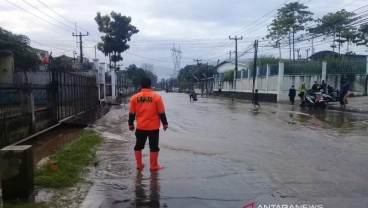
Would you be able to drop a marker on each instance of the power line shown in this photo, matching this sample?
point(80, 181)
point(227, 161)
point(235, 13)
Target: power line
point(46, 14)
point(38, 17)
point(59, 15)
point(147, 57)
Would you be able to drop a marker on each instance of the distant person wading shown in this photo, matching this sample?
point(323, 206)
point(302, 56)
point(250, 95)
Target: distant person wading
point(148, 108)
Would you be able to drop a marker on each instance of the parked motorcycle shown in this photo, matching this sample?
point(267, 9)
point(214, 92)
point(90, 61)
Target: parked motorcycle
point(331, 97)
point(314, 99)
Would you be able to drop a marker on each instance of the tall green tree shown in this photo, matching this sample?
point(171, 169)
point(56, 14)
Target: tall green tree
point(336, 25)
point(24, 56)
point(118, 32)
point(135, 74)
point(290, 20)
point(193, 73)
point(362, 35)
point(64, 63)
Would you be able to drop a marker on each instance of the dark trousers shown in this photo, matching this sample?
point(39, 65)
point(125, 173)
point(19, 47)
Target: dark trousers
point(292, 98)
point(141, 138)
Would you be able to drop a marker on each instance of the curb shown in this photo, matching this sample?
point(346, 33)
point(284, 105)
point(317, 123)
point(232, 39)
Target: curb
point(347, 109)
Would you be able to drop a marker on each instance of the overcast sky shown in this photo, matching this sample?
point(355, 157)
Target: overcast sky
point(200, 27)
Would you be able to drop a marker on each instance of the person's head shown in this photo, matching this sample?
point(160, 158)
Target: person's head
point(256, 90)
point(292, 86)
point(145, 82)
point(315, 82)
point(323, 81)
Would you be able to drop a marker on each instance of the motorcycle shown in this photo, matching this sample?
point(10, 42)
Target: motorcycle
point(315, 100)
point(331, 97)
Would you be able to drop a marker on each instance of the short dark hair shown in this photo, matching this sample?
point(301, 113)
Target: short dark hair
point(145, 82)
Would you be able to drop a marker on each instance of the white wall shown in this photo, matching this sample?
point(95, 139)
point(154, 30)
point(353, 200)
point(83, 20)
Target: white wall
point(270, 84)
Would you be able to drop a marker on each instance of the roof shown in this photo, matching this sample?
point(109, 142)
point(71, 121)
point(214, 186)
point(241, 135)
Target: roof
point(323, 54)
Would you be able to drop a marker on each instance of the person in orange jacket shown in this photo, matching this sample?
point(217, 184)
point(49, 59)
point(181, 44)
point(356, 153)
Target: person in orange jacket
point(148, 108)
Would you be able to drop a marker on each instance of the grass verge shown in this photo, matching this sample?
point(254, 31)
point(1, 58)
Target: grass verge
point(72, 160)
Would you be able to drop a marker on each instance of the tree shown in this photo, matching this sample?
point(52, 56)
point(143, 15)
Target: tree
point(135, 74)
point(24, 55)
point(336, 25)
point(229, 76)
point(263, 61)
point(277, 33)
point(362, 39)
point(64, 63)
point(118, 32)
point(161, 84)
point(193, 73)
point(290, 19)
point(362, 35)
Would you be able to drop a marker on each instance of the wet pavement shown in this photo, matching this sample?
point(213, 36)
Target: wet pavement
point(219, 153)
point(355, 104)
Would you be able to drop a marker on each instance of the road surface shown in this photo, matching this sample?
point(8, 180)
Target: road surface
point(219, 153)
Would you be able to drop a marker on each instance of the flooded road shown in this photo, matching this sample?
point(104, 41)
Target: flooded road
point(219, 153)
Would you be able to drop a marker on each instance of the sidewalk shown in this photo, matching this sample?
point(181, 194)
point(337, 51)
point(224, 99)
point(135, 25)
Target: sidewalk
point(355, 105)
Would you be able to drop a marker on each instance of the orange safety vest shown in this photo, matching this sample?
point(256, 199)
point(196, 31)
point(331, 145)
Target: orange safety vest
point(146, 105)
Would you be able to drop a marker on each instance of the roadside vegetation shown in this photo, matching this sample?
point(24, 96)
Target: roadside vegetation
point(72, 160)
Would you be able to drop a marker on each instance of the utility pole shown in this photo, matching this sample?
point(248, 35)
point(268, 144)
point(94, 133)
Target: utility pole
point(255, 65)
point(236, 58)
point(298, 50)
point(95, 52)
point(197, 60)
point(80, 45)
point(74, 53)
point(307, 50)
point(312, 44)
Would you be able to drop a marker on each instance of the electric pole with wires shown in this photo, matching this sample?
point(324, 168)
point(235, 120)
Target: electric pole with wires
point(236, 58)
point(255, 66)
point(80, 45)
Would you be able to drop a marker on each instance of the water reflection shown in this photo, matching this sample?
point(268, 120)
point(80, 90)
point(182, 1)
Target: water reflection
point(47, 143)
point(152, 200)
point(341, 121)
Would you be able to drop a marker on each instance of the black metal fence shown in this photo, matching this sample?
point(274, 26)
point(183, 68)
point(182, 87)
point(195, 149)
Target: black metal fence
point(31, 101)
point(75, 93)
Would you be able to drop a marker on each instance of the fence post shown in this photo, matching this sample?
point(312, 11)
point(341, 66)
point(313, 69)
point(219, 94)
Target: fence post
point(324, 71)
point(17, 176)
point(28, 106)
point(249, 79)
point(267, 75)
point(280, 84)
point(52, 95)
point(366, 79)
point(257, 75)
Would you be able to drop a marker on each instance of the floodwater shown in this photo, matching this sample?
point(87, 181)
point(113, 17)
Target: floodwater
point(219, 153)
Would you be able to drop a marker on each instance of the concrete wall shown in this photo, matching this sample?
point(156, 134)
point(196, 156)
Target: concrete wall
point(281, 83)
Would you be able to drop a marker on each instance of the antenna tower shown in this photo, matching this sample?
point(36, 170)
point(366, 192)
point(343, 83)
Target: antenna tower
point(176, 54)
